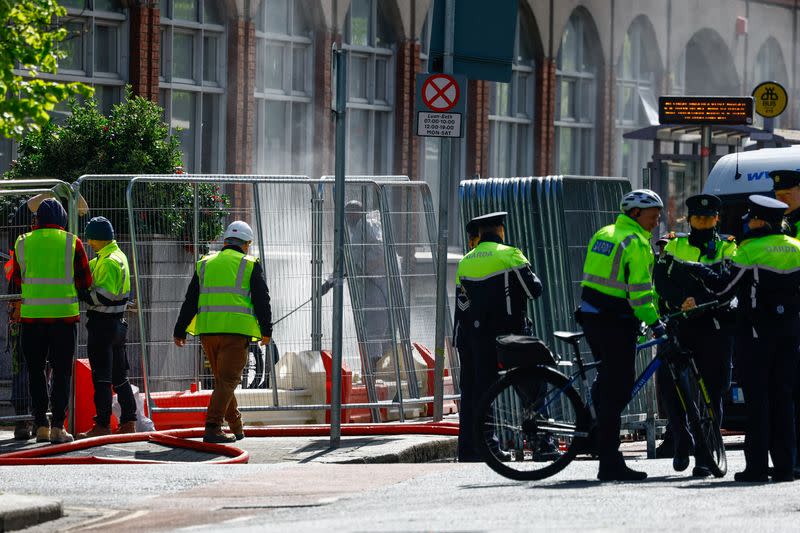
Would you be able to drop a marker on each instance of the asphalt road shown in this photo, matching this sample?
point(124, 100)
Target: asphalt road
point(398, 497)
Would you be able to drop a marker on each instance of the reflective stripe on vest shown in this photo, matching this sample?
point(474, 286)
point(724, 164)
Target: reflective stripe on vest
point(224, 308)
point(47, 296)
point(118, 301)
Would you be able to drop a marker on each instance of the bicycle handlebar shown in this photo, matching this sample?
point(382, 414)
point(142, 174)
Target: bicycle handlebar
point(693, 310)
point(679, 314)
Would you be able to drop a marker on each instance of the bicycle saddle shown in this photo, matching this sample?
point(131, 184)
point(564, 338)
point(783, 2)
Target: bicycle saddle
point(568, 336)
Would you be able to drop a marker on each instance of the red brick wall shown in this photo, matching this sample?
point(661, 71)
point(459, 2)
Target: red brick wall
point(240, 120)
point(477, 128)
point(145, 27)
point(406, 143)
point(605, 123)
point(544, 118)
point(324, 126)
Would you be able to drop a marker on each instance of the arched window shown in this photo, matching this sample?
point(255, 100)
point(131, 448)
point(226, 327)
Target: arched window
point(576, 97)
point(193, 58)
point(284, 84)
point(770, 66)
point(370, 95)
point(638, 74)
point(511, 110)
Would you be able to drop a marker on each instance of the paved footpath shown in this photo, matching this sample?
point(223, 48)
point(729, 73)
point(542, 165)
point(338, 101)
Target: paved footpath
point(294, 489)
point(35, 503)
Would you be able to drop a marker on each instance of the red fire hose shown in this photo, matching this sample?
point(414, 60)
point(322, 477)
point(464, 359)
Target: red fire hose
point(179, 438)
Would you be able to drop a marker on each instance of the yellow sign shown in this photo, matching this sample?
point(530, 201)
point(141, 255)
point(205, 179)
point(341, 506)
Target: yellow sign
point(770, 99)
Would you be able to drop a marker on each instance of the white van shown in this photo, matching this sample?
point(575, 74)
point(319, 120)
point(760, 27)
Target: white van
point(736, 176)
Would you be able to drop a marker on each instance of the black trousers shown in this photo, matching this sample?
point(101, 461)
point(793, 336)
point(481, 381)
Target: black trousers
point(55, 343)
point(613, 341)
point(478, 373)
point(109, 362)
point(20, 390)
point(712, 353)
point(768, 371)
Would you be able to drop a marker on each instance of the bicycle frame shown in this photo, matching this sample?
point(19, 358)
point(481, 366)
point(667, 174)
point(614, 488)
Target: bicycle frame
point(583, 368)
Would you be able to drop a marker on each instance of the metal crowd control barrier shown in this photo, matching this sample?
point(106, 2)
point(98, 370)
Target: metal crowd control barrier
point(552, 219)
point(169, 221)
point(15, 402)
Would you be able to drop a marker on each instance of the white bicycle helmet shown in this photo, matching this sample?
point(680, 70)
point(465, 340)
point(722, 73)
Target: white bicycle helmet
point(641, 198)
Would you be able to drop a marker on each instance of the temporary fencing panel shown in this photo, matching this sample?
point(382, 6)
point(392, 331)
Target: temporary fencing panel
point(391, 288)
point(292, 218)
point(551, 219)
point(16, 219)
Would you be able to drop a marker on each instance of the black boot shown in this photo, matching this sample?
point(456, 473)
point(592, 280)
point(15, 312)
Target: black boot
point(619, 472)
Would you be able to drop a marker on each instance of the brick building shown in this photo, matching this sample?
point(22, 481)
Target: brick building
point(249, 81)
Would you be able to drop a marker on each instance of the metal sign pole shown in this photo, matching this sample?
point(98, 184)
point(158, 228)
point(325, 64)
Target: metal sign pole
point(338, 238)
point(444, 208)
point(705, 153)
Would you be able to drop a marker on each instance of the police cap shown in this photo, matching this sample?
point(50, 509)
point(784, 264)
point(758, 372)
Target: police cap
point(784, 179)
point(490, 220)
point(703, 204)
point(765, 208)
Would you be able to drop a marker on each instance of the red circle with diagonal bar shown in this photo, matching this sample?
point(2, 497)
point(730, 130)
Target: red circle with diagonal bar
point(440, 93)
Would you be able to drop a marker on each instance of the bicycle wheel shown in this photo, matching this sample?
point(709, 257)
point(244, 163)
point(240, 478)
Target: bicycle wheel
point(702, 421)
point(531, 423)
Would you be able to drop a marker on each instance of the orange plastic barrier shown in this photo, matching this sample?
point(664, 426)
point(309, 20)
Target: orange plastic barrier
point(449, 406)
point(347, 385)
point(84, 398)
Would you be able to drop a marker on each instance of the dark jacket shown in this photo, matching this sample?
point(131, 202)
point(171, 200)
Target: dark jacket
point(259, 294)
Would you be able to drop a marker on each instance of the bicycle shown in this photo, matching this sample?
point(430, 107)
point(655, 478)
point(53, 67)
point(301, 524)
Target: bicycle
point(532, 422)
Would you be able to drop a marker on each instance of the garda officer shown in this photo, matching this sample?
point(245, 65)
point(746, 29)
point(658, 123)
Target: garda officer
point(107, 329)
point(227, 305)
point(465, 445)
point(617, 296)
point(493, 284)
point(765, 276)
point(50, 266)
point(787, 189)
point(709, 337)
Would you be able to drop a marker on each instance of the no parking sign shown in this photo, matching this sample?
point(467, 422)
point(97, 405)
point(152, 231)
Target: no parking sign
point(441, 104)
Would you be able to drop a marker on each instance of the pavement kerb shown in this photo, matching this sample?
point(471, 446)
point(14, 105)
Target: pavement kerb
point(423, 452)
point(19, 512)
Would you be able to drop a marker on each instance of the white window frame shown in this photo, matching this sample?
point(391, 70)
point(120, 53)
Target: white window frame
point(583, 124)
point(516, 119)
point(642, 83)
point(89, 18)
point(289, 42)
point(197, 85)
point(372, 53)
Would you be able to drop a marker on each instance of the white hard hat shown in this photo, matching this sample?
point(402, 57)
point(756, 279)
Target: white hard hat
point(239, 229)
point(641, 198)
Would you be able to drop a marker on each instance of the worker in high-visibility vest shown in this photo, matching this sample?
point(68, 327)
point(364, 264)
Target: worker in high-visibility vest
point(50, 267)
point(617, 296)
point(107, 329)
point(227, 305)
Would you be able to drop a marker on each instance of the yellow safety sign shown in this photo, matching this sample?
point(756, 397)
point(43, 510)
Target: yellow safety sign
point(770, 99)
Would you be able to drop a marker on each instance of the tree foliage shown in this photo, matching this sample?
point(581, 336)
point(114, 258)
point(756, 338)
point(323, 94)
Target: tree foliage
point(29, 42)
point(133, 140)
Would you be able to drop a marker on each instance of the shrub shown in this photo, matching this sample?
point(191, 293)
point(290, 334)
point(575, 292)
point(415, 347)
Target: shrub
point(133, 140)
